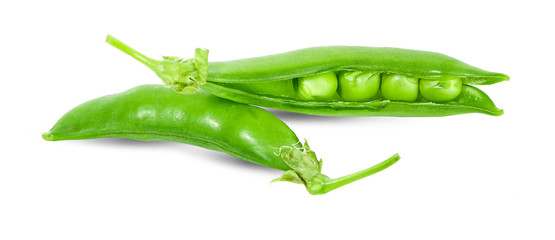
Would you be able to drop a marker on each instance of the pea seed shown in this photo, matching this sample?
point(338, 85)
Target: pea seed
point(358, 86)
point(399, 87)
point(440, 90)
point(318, 87)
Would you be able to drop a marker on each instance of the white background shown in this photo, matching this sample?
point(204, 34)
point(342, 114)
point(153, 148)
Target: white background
point(461, 177)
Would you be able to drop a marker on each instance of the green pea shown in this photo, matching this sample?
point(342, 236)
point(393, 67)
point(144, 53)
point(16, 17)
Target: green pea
point(318, 87)
point(400, 87)
point(440, 90)
point(358, 86)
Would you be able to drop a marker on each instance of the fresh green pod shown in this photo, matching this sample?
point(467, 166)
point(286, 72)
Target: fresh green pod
point(273, 81)
point(157, 113)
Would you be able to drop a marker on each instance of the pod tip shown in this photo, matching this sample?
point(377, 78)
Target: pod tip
point(48, 136)
point(497, 112)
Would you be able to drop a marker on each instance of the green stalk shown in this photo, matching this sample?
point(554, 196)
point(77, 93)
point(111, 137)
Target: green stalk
point(149, 62)
point(183, 76)
point(306, 169)
point(342, 181)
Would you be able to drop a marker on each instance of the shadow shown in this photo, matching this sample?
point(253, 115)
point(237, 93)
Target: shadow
point(202, 153)
point(225, 159)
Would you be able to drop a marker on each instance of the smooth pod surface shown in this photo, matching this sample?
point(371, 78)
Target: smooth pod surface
point(154, 112)
point(157, 113)
point(311, 61)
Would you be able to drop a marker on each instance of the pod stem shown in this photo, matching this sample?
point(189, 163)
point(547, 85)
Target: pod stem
point(342, 181)
point(184, 76)
point(149, 62)
point(306, 169)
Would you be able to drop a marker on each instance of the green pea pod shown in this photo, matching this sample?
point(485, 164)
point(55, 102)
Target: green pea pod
point(306, 81)
point(156, 113)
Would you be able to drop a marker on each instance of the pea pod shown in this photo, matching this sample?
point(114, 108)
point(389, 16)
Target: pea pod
point(156, 113)
point(303, 81)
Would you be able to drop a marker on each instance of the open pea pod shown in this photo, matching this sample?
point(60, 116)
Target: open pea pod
point(336, 81)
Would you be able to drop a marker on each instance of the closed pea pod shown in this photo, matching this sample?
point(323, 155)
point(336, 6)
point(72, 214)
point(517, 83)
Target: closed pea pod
point(294, 81)
point(156, 113)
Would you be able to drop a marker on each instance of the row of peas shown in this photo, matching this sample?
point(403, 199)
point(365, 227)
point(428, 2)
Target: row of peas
point(362, 86)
